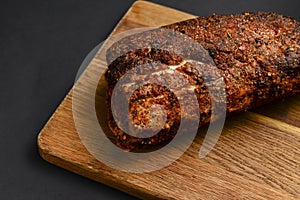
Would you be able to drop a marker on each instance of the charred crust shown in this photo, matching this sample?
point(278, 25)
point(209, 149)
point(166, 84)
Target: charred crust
point(257, 55)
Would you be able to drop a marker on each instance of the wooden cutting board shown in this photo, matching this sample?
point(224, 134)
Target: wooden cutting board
point(256, 157)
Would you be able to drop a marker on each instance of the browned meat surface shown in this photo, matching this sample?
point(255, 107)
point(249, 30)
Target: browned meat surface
point(256, 54)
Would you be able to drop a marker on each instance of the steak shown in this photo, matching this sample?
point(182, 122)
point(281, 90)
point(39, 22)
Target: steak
point(255, 55)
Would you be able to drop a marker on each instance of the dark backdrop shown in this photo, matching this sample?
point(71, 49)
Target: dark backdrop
point(42, 45)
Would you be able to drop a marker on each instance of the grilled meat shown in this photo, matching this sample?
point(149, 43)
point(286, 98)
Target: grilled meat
point(257, 56)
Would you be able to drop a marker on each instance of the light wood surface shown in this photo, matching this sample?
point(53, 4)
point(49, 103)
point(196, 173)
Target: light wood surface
point(256, 157)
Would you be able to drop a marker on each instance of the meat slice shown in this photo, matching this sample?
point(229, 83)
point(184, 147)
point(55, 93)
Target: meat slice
point(255, 55)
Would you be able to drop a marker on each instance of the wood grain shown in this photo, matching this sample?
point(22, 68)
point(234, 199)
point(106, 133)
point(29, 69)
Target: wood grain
point(256, 157)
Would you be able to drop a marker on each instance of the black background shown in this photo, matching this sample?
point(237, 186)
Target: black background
point(42, 45)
